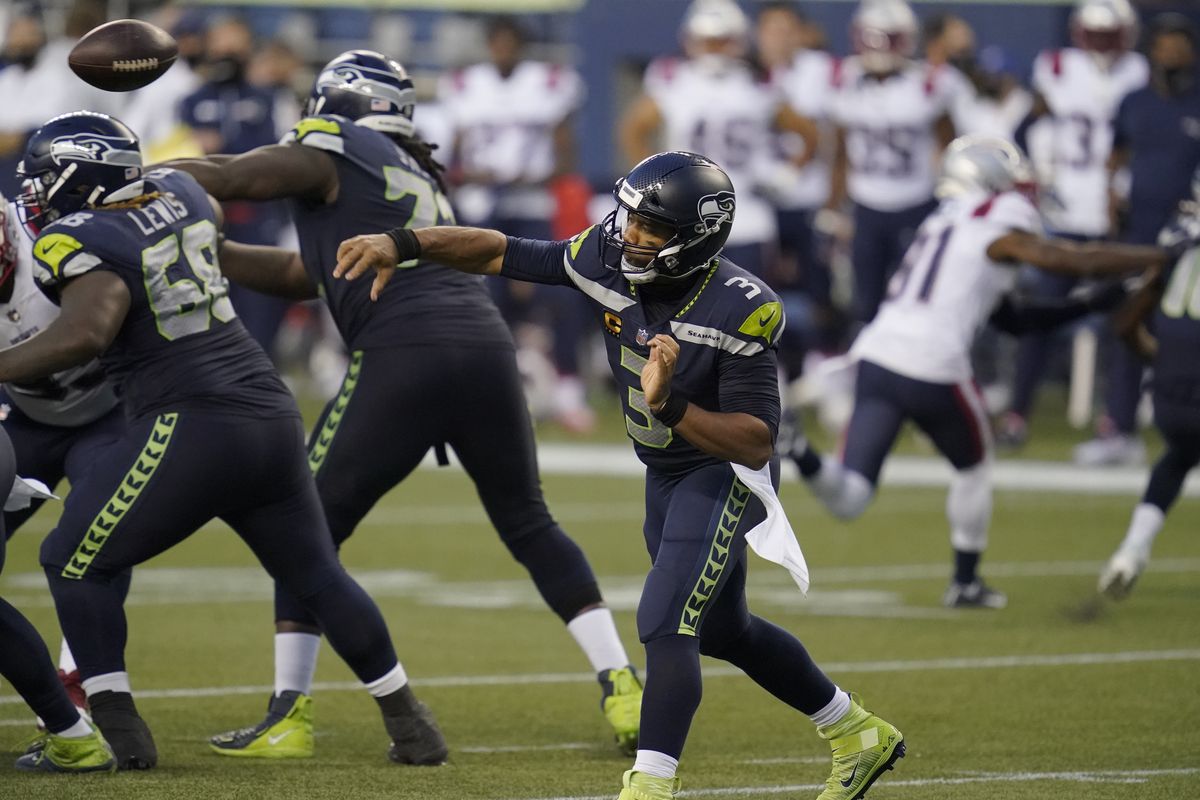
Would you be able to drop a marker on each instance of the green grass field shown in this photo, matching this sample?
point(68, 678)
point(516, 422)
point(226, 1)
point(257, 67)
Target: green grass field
point(1051, 698)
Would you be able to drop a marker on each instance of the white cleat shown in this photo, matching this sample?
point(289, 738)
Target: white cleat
point(1121, 573)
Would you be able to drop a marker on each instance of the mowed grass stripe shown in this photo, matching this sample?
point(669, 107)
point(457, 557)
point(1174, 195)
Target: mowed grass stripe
point(845, 667)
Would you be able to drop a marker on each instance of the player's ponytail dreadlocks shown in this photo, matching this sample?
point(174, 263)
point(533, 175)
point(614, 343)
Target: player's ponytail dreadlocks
point(422, 153)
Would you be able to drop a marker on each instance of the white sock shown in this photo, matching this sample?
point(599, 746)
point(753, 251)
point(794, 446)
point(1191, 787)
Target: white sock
point(1144, 525)
point(652, 762)
point(76, 731)
point(392, 681)
point(969, 508)
point(295, 661)
point(108, 682)
point(596, 633)
point(66, 659)
point(833, 711)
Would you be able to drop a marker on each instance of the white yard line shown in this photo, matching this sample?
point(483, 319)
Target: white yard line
point(618, 460)
point(1133, 776)
point(529, 748)
point(845, 667)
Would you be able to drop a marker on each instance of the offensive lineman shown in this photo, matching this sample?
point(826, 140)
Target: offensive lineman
point(355, 164)
point(212, 432)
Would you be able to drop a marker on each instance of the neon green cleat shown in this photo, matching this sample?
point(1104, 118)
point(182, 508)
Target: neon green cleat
point(864, 747)
point(639, 786)
point(76, 754)
point(622, 705)
point(286, 732)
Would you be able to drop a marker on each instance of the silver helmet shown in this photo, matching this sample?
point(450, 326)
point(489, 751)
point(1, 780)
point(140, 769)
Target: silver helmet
point(983, 164)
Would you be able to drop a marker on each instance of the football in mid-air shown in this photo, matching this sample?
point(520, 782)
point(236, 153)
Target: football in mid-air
point(123, 55)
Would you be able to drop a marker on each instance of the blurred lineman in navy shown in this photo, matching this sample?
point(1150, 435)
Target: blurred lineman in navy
point(133, 259)
point(691, 343)
point(914, 357)
point(355, 165)
point(228, 114)
point(1156, 135)
point(58, 425)
point(1173, 351)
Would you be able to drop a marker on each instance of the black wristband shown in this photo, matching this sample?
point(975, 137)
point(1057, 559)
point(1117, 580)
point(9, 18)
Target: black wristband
point(408, 246)
point(672, 410)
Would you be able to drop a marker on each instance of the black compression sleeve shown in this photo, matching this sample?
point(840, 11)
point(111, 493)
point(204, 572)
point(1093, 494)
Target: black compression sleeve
point(750, 385)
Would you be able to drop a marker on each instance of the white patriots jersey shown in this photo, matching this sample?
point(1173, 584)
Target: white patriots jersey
point(807, 84)
point(946, 288)
point(727, 115)
point(506, 125)
point(69, 398)
point(889, 124)
point(1083, 98)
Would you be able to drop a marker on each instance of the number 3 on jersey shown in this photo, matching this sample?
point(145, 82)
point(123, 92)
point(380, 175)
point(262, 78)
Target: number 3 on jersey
point(186, 295)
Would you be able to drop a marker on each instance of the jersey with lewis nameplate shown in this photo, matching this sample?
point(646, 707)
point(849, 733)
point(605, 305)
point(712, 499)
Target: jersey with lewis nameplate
point(380, 187)
point(71, 398)
point(727, 326)
point(181, 346)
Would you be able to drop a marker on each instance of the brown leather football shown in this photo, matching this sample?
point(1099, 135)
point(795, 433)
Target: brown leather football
point(123, 55)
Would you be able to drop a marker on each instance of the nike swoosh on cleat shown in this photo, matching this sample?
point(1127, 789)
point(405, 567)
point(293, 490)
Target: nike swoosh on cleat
point(846, 783)
point(274, 740)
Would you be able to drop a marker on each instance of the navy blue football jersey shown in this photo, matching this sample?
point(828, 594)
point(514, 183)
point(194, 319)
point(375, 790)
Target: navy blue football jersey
point(1177, 328)
point(381, 187)
point(181, 344)
point(727, 325)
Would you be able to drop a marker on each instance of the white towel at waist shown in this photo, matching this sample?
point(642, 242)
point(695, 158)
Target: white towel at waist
point(773, 538)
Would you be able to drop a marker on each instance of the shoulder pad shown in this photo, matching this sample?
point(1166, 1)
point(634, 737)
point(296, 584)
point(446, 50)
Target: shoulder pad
point(575, 243)
point(58, 255)
point(323, 133)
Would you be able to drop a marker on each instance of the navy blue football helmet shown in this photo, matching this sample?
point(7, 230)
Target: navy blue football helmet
point(75, 161)
point(686, 192)
point(367, 87)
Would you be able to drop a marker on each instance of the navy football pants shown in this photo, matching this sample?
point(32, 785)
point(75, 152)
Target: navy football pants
point(694, 602)
point(951, 415)
point(395, 405)
point(170, 474)
point(24, 660)
point(50, 452)
point(880, 239)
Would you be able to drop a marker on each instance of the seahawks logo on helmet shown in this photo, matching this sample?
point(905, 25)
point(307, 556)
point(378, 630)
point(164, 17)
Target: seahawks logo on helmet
point(714, 211)
point(94, 147)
